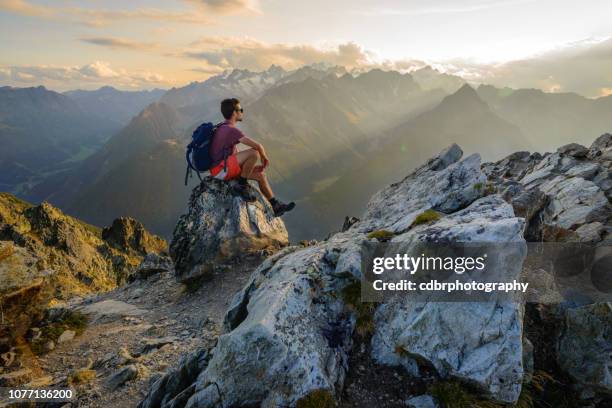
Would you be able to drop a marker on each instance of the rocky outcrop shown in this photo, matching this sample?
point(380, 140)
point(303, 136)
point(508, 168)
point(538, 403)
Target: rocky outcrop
point(289, 331)
point(220, 228)
point(127, 234)
point(485, 348)
point(565, 195)
point(291, 328)
point(46, 255)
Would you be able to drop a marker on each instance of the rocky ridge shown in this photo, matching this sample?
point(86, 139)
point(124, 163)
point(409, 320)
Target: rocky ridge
point(290, 332)
point(47, 258)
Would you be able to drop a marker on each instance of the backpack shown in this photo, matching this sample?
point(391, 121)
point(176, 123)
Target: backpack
point(198, 151)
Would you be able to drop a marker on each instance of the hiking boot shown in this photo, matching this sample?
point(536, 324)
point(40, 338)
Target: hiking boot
point(280, 208)
point(244, 192)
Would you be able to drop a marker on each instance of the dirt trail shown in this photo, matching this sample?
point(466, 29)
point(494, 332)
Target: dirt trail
point(147, 325)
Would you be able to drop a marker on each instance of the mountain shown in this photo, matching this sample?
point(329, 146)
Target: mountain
point(302, 124)
point(199, 101)
point(429, 78)
point(43, 132)
point(48, 257)
point(113, 104)
point(548, 119)
point(461, 117)
point(153, 125)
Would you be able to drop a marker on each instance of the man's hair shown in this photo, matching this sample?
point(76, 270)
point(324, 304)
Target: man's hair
point(228, 106)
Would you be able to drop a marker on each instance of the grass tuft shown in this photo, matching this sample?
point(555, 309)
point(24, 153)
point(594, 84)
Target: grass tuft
point(317, 399)
point(426, 217)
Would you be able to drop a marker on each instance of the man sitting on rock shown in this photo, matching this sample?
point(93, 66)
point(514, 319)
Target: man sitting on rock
point(241, 165)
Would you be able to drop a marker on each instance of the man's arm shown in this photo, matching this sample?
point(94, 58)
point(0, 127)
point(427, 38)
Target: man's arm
point(257, 146)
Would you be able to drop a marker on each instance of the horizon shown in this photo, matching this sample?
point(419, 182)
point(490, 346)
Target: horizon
point(165, 44)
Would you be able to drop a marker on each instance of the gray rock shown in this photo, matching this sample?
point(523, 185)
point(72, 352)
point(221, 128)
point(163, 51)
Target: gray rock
point(422, 401)
point(573, 149)
point(174, 388)
point(109, 310)
point(444, 189)
point(152, 264)
point(122, 376)
point(66, 336)
point(584, 349)
point(485, 348)
point(220, 227)
point(288, 336)
point(601, 148)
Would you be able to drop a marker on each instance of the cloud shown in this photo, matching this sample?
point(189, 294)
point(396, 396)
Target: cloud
point(429, 8)
point(95, 74)
point(119, 43)
point(584, 67)
point(227, 7)
point(103, 17)
point(248, 53)
point(25, 8)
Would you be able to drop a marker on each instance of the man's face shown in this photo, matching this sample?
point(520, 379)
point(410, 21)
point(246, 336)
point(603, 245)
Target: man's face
point(239, 113)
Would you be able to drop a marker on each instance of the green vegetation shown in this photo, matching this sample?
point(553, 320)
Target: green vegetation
point(452, 394)
point(75, 321)
point(364, 311)
point(478, 186)
point(425, 217)
point(317, 399)
point(486, 189)
point(381, 235)
point(97, 231)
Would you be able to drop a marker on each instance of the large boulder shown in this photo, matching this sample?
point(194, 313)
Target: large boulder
point(220, 227)
point(476, 342)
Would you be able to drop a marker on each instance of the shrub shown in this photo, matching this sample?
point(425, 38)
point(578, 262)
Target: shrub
point(381, 235)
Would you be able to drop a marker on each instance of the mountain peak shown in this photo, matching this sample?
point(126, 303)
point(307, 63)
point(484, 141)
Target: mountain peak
point(465, 97)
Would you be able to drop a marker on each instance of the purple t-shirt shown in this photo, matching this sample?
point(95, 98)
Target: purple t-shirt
point(226, 138)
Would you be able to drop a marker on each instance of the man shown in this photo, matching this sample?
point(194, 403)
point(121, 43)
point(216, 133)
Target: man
point(230, 164)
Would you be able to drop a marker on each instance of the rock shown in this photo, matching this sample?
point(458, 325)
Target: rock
point(49, 346)
point(46, 255)
point(220, 227)
point(485, 349)
point(152, 264)
point(585, 348)
point(123, 375)
point(66, 336)
point(564, 196)
point(349, 222)
point(15, 378)
point(528, 361)
point(422, 401)
point(154, 344)
point(601, 148)
point(445, 189)
point(573, 149)
point(130, 235)
point(109, 310)
point(174, 388)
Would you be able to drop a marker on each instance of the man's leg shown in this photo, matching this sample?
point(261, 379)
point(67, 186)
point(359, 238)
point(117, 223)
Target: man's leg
point(264, 186)
point(247, 159)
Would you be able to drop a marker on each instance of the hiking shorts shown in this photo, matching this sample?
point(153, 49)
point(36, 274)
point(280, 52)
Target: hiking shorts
point(233, 169)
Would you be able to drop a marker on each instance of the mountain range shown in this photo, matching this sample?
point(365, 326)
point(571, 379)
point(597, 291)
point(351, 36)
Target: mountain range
point(326, 132)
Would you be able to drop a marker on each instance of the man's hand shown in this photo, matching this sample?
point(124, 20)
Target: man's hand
point(257, 146)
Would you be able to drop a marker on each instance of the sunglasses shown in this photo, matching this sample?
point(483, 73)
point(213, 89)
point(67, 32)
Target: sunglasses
point(241, 110)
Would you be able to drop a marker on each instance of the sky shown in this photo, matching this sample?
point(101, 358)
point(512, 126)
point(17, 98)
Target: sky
point(555, 45)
